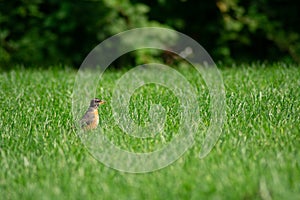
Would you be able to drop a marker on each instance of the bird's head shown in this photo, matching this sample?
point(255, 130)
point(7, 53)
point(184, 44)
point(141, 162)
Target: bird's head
point(96, 102)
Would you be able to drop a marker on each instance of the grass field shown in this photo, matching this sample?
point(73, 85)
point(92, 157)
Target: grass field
point(256, 157)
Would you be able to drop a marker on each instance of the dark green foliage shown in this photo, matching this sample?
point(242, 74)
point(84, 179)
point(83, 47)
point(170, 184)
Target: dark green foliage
point(262, 29)
point(46, 32)
point(61, 31)
point(236, 29)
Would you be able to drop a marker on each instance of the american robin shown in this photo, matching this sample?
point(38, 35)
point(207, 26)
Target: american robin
point(90, 120)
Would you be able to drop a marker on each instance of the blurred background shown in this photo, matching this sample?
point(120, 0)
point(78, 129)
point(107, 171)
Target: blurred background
point(44, 33)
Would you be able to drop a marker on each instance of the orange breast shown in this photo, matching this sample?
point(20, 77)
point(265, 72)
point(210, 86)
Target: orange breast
point(96, 117)
point(94, 123)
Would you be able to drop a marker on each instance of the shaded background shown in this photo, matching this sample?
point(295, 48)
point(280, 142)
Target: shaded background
point(43, 33)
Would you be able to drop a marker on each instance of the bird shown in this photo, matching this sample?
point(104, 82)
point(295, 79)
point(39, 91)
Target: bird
point(90, 119)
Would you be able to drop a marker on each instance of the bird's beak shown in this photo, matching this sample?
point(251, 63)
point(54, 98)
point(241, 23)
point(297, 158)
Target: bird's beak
point(102, 102)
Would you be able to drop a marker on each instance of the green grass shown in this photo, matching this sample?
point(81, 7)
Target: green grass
point(257, 156)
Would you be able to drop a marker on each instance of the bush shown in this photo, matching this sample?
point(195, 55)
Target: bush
point(54, 31)
point(62, 31)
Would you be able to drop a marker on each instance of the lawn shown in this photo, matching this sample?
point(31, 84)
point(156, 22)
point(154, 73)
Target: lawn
point(256, 157)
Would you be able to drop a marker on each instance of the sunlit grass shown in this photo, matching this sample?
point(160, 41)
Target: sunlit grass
point(257, 156)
